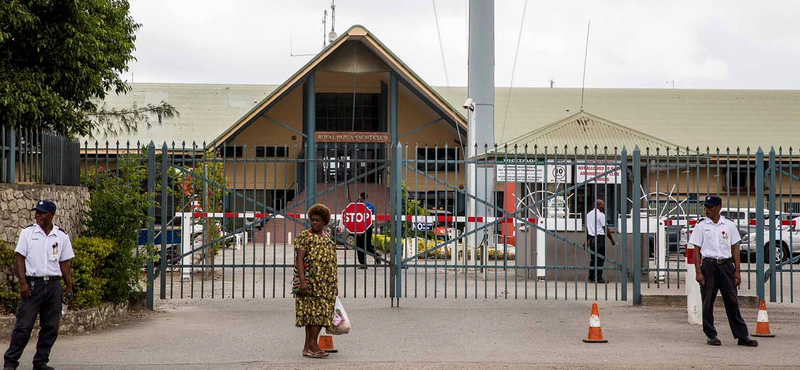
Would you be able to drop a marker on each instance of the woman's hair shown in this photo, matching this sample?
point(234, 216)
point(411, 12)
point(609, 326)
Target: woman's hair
point(321, 211)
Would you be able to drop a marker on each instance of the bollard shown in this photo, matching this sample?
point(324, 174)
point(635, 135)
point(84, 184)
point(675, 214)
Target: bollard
point(694, 303)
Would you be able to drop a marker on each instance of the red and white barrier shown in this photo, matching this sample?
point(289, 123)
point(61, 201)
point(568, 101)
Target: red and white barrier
point(385, 217)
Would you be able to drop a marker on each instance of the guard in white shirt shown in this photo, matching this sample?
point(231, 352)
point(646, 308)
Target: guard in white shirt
point(596, 232)
point(716, 261)
point(43, 253)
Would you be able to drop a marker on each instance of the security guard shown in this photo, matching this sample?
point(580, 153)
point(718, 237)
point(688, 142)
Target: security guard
point(716, 240)
point(43, 253)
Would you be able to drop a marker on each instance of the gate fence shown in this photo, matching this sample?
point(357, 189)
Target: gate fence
point(38, 156)
point(226, 215)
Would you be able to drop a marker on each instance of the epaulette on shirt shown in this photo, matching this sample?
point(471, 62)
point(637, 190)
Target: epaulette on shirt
point(62, 230)
point(28, 226)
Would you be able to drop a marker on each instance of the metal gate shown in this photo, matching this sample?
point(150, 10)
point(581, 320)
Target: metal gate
point(226, 215)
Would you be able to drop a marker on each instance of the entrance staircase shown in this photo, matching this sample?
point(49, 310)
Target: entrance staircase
point(336, 199)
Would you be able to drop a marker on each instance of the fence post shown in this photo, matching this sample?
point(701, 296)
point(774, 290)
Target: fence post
point(623, 223)
point(759, 222)
point(397, 255)
point(637, 232)
point(12, 155)
point(773, 223)
point(164, 221)
point(151, 222)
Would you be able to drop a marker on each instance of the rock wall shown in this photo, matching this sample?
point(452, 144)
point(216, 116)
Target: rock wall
point(76, 321)
point(16, 201)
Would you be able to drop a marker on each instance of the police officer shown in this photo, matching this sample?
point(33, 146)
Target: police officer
point(43, 253)
point(716, 261)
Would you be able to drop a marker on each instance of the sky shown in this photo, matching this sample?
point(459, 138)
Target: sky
point(658, 44)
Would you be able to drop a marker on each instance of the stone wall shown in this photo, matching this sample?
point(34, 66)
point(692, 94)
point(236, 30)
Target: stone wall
point(16, 201)
point(76, 321)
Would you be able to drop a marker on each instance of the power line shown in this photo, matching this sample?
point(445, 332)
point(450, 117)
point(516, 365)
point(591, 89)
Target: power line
point(513, 70)
point(441, 46)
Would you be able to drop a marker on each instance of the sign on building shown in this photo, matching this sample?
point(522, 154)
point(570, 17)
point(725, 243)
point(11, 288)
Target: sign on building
point(351, 137)
point(534, 173)
point(592, 172)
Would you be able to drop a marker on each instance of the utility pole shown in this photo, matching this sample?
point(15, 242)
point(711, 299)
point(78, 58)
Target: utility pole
point(480, 105)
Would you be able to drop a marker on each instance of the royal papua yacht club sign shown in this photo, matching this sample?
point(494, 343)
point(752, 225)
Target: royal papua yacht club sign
point(351, 137)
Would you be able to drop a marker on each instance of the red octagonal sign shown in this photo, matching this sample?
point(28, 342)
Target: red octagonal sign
point(357, 218)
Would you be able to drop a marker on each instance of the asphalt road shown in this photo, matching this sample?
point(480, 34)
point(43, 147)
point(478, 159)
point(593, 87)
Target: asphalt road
point(424, 334)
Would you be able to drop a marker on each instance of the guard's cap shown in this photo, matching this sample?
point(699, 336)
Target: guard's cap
point(45, 206)
point(712, 201)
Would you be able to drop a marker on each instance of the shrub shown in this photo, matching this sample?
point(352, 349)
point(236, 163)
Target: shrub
point(9, 289)
point(87, 280)
point(117, 211)
point(439, 253)
point(381, 242)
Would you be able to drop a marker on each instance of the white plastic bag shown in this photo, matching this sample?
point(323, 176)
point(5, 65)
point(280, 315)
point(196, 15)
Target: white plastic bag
point(341, 324)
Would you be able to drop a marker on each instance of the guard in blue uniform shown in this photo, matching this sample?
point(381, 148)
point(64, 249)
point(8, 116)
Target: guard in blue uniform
point(43, 252)
point(716, 261)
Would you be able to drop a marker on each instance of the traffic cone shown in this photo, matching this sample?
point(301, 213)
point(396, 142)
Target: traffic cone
point(326, 343)
point(595, 332)
point(762, 322)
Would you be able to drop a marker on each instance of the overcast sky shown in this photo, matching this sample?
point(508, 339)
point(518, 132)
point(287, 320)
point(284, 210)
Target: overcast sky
point(718, 44)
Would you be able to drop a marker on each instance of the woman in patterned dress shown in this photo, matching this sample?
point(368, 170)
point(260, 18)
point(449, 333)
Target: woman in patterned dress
point(315, 295)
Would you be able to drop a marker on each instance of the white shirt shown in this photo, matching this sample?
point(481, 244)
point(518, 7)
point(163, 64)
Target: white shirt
point(715, 240)
point(43, 252)
point(595, 223)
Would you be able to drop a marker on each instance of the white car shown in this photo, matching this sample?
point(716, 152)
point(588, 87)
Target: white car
point(787, 242)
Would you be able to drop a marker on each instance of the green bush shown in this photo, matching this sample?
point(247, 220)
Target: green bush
point(117, 211)
point(87, 279)
point(438, 253)
point(381, 242)
point(9, 289)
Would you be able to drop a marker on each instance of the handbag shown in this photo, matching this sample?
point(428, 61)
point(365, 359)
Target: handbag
point(296, 278)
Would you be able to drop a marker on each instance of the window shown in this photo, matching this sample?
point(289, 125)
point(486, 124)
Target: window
point(741, 179)
point(233, 151)
point(438, 159)
point(791, 207)
point(336, 112)
point(272, 152)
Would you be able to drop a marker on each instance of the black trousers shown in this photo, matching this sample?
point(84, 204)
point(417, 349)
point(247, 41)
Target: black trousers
point(364, 242)
point(596, 244)
point(719, 278)
point(45, 301)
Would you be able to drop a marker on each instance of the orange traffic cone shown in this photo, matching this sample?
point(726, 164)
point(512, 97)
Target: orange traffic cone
point(762, 322)
point(595, 332)
point(326, 343)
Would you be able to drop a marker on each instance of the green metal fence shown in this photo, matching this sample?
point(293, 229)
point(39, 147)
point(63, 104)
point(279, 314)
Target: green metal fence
point(227, 214)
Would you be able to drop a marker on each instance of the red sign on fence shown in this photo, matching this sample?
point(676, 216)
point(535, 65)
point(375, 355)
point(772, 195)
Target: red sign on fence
point(357, 218)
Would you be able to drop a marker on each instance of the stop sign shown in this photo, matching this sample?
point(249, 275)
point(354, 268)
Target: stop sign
point(357, 218)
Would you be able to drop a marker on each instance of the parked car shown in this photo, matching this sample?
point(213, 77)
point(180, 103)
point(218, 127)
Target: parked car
point(787, 243)
point(339, 234)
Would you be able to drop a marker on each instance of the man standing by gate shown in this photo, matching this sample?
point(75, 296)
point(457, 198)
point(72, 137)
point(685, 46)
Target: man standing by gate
point(716, 239)
point(364, 240)
point(597, 231)
point(43, 252)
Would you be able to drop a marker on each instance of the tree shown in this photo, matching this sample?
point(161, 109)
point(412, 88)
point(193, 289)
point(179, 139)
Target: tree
point(58, 59)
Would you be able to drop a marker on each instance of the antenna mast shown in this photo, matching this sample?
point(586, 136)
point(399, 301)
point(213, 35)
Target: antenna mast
point(324, 28)
point(585, 55)
point(333, 16)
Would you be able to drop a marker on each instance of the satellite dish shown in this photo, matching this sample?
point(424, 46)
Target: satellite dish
point(332, 36)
